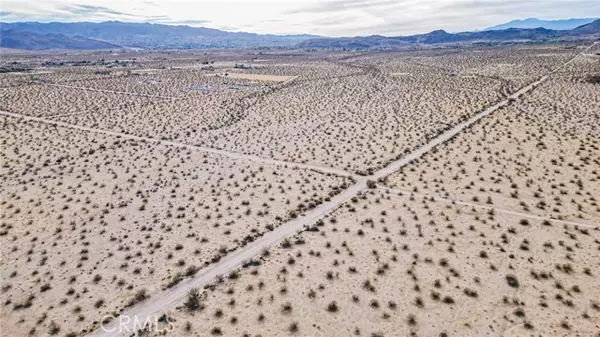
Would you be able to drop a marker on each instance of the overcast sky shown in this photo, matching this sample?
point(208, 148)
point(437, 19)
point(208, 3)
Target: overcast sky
point(322, 17)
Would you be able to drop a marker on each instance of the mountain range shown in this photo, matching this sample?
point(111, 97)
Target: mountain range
point(588, 31)
point(20, 39)
point(548, 24)
point(115, 34)
point(157, 36)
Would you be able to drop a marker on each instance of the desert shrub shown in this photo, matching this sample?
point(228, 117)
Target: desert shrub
point(141, 295)
point(53, 328)
point(512, 281)
point(192, 302)
point(333, 307)
point(593, 79)
point(448, 300)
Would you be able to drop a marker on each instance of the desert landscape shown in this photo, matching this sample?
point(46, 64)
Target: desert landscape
point(419, 192)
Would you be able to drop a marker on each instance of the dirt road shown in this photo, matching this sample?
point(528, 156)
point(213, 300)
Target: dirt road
point(111, 91)
point(488, 207)
point(233, 155)
point(168, 300)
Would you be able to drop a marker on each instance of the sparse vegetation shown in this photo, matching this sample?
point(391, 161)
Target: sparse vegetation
point(502, 217)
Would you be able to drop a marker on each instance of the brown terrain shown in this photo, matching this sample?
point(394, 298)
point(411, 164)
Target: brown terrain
point(434, 192)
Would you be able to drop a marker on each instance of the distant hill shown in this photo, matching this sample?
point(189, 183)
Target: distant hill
point(567, 24)
point(112, 34)
point(157, 36)
point(592, 28)
point(35, 41)
point(588, 31)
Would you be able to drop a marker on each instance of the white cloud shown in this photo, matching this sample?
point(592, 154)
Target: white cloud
point(323, 17)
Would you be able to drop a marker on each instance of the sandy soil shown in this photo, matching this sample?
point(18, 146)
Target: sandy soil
point(539, 155)
point(365, 120)
point(142, 216)
point(394, 265)
point(252, 77)
point(162, 175)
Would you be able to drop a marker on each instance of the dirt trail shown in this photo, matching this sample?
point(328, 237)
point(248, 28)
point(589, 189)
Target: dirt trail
point(489, 207)
point(169, 299)
point(233, 155)
point(110, 91)
point(450, 133)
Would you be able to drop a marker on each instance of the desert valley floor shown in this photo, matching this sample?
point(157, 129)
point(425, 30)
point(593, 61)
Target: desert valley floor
point(435, 192)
